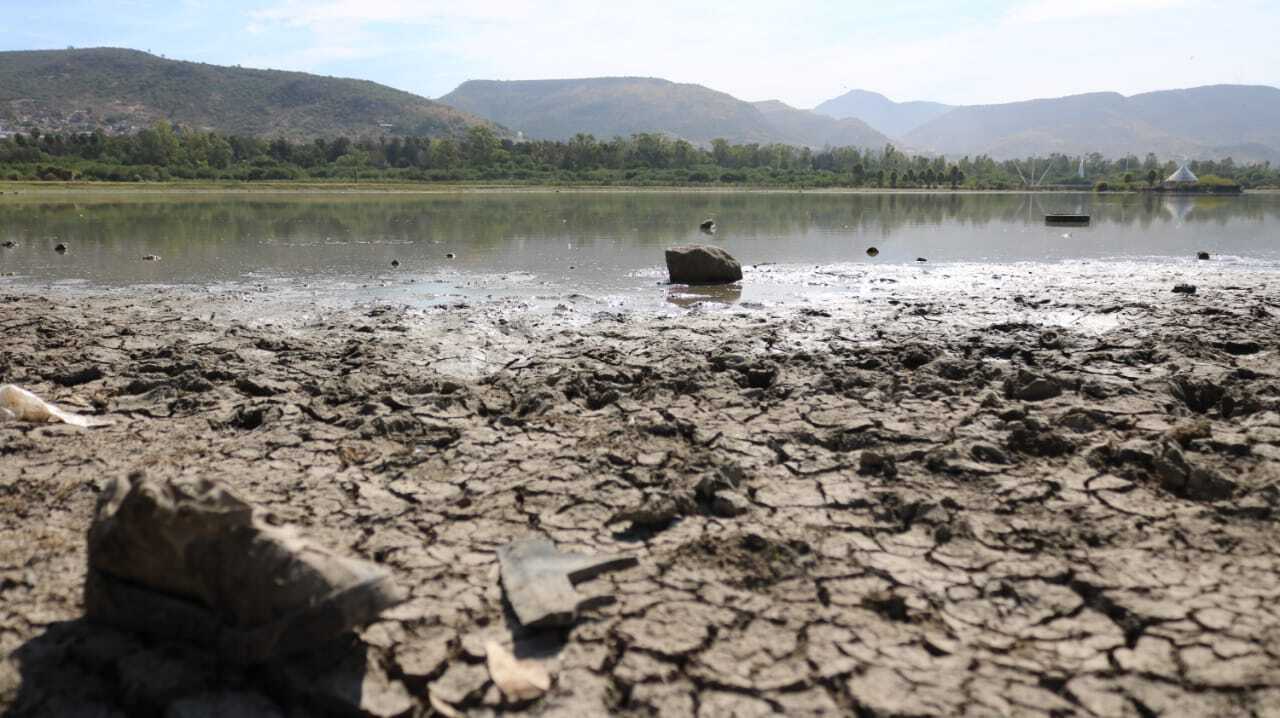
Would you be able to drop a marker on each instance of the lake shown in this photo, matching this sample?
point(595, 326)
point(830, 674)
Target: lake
point(608, 245)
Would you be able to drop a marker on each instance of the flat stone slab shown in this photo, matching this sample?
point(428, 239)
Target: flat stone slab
point(538, 580)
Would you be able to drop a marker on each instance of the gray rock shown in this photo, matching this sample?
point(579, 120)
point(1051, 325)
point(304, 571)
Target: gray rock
point(538, 580)
point(728, 504)
point(700, 264)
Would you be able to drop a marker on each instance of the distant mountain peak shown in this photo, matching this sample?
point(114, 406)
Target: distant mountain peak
point(894, 119)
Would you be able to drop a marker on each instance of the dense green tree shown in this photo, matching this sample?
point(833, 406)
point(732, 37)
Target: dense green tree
point(156, 145)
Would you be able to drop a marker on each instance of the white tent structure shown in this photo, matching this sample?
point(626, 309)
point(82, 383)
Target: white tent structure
point(1184, 175)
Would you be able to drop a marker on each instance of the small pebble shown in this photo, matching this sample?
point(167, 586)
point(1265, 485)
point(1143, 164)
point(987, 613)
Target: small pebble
point(872, 251)
point(1202, 255)
point(450, 255)
point(921, 259)
point(61, 248)
point(395, 263)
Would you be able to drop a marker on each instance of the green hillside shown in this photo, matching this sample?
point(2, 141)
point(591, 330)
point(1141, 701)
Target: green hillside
point(125, 90)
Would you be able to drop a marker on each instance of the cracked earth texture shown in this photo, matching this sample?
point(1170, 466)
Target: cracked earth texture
point(926, 501)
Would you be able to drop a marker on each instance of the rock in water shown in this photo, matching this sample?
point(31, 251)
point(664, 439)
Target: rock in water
point(1184, 289)
point(1202, 255)
point(708, 226)
point(700, 264)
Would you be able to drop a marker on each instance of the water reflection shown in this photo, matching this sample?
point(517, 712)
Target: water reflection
point(718, 294)
point(593, 239)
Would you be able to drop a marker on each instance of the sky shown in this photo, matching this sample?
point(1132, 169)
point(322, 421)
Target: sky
point(799, 51)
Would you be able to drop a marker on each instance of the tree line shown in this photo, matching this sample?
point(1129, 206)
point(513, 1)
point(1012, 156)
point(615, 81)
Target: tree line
point(166, 153)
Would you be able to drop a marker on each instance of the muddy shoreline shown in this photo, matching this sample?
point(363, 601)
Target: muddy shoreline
point(1055, 492)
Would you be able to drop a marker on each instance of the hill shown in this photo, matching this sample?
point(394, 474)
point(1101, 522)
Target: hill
point(892, 118)
point(611, 106)
point(803, 127)
point(124, 90)
point(1204, 122)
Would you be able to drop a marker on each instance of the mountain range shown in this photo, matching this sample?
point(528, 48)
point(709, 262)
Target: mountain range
point(124, 90)
point(1239, 121)
point(609, 106)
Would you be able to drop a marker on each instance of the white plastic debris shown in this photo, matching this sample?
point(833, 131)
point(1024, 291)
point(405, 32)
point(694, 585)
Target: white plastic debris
point(18, 404)
point(519, 680)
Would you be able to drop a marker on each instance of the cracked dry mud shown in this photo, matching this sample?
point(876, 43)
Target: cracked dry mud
point(920, 503)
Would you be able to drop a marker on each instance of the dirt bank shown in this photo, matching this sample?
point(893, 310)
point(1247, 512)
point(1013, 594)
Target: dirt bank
point(1006, 498)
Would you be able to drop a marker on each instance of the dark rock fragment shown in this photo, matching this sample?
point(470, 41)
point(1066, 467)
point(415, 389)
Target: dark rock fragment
point(701, 264)
point(874, 463)
point(1031, 387)
point(1184, 289)
point(1240, 348)
point(258, 387)
point(1030, 437)
point(988, 454)
point(762, 376)
point(76, 375)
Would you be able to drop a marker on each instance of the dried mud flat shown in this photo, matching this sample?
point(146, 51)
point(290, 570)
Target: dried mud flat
point(923, 501)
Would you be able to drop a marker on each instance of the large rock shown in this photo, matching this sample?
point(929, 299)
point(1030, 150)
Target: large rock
point(700, 264)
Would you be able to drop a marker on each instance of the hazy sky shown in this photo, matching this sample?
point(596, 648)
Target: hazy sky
point(802, 52)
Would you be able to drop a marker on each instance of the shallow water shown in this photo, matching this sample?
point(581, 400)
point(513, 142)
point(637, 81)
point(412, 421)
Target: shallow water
point(542, 246)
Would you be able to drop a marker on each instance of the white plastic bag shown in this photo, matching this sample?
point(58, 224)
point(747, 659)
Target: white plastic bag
point(18, 404)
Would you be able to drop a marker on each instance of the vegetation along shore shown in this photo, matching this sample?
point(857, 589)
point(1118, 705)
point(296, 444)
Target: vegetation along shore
point(164, 153)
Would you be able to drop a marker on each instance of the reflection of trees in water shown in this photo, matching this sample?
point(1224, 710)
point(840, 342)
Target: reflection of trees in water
point(651, 218)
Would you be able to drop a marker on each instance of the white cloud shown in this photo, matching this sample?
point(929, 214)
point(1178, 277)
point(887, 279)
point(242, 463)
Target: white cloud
point(300, 13)
point(1039, 11)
